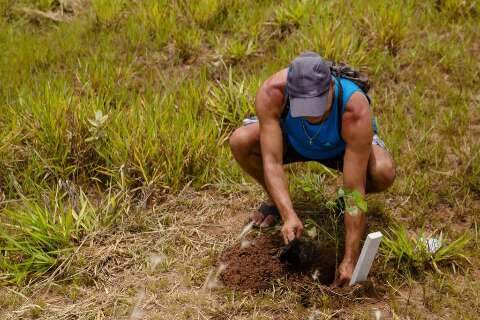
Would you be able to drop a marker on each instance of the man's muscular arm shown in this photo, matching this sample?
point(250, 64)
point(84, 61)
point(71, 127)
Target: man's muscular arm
point(357, 133)
point(269, 107)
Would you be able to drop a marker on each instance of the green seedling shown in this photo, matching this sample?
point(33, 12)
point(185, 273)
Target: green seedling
point(353, 202)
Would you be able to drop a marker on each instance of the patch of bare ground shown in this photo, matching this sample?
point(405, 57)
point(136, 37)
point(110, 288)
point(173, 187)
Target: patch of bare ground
point(64, 12)
point(154, 263)
point(456, 220)
point(254, 266)
point(439, 297)
point(257, 268)
point(162, 263)
point(158, 270)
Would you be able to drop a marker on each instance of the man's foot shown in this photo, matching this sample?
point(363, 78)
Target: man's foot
point(266, 215)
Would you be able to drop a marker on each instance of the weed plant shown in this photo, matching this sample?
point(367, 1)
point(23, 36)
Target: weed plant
point(415, 254)
point(36, 237)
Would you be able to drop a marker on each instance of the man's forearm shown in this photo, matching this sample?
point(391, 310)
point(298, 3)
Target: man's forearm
point(354, 229)
point(355, 222)
point(277, 186)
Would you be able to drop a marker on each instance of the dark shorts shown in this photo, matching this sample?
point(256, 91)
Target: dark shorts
point(290, 155)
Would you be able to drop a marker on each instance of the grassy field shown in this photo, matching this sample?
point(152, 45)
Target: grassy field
point(118, 191)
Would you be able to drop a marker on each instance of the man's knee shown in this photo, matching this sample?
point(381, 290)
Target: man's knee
point(383, 174)
point(240, 141)
point(386, 173)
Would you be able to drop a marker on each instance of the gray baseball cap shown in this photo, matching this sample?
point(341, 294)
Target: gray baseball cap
point(308, 82)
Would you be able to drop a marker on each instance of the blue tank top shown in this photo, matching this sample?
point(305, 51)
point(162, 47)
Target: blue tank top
point(323, 140)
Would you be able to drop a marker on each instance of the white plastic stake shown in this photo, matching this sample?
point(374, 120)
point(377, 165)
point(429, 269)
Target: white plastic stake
point(364, 263)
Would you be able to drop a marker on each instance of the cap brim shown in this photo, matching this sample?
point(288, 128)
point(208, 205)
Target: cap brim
point(308, 107)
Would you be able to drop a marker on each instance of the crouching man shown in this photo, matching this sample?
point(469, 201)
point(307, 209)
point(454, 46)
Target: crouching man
point(306, 114)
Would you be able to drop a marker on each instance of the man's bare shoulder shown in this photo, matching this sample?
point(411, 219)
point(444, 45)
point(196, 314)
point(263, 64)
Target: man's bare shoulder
point(357, 106)
point(270, 96)
point(356, 121)
point(277, 81)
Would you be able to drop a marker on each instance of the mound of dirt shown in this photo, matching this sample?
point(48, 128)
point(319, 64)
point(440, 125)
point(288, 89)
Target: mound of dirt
point(254, 267)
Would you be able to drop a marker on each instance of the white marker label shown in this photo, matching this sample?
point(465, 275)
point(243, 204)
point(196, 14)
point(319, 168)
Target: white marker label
point(364, 263)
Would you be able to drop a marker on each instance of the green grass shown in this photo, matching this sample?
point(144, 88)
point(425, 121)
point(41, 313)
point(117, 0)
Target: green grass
point(414, 254)
point(35, 237)
point(133, 100)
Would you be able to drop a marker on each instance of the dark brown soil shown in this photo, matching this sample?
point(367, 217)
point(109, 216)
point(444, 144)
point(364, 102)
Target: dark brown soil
point(255, 267)
point(324, 266)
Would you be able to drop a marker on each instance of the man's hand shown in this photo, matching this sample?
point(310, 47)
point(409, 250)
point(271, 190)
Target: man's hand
point(345, 272)
point(292, 228)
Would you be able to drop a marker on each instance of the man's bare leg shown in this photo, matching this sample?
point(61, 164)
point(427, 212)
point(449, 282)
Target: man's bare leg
point(245, 145)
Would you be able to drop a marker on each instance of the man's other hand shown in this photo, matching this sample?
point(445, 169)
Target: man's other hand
point(292, 229)
point(345, 272)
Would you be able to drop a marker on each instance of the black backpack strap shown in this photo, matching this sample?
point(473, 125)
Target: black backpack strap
point(340, 106)
point(286, 104)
